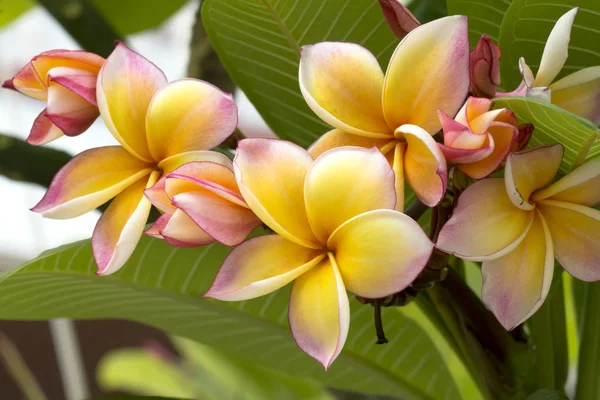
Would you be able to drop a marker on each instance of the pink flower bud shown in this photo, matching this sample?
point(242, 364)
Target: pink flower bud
point(485, 68)
point(399, 18)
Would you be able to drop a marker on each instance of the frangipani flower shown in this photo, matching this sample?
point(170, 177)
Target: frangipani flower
point(578, 92)
point(478, 139)
point(336, 228)
point(201, 203)
point(518, 225)
point(484, 68)
point(160, 126)
point(66, 79)
point(397, 113)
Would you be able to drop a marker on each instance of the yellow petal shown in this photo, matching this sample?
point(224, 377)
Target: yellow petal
point(120, 227)
point(428, 71)
point(338, 138)
point(424, 165)
point(485, 224)
point(579, 93)
point(556, 50)
point(345, 182)
point(126, 84)
point(181, 231)
point(516, 285)
point(530, 170)
point(342, 83)
point(380, 252)
point(575, 232)
point(260, 266)
point(397, 163)
point(188, 115)
point(319, 312)
point(581, 186)
point(270, 174)
point(89, 180)
point(502, 137)
point(169, 164)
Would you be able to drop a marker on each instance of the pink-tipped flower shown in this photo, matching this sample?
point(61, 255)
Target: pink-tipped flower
point(484, 68)
point(66, 79)
point(518, 225)
point(399, 18)
point(478, 140)
point(201, 204)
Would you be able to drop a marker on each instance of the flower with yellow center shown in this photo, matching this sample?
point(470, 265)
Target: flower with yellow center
point(160, 126)
point(519, 224)
point(396, 112)
point(336, 228)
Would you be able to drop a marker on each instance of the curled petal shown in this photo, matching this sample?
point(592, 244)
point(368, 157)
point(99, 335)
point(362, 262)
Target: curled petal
point(89, 180)
point(188, 115)
point(527, 75)
point(28, 82)
point(428, 71)
point(399, 18)
point(556, 50)
point(71, 113)
point(396, 160)
point(43, 131)
point(501, 136)
point(485, 224)
point(575, 232)
point(484, 68)
point(581, 186)
point(260, 266)
point(345, 182)
point(466, 156)
point(320, 334)
point(120, 227)
point(579, 93)
point(424, 165)
point(49, 60)
point(516, 285)
point(78, 81)
point(270, 174)
point(530, 170)
point(380, 252)
point(126, 84)
point(172, 163)
point(179, 230)
point(158, 225)
point(338, 138)
point(329, 84)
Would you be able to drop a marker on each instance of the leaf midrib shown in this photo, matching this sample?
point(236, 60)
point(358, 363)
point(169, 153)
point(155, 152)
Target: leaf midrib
point(284, 29)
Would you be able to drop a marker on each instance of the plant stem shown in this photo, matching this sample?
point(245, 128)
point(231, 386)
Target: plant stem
point(17, 368)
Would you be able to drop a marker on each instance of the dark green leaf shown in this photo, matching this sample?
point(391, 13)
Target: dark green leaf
point(485, 16)
point(545, 394)
point(588, 384)
point(427, 10)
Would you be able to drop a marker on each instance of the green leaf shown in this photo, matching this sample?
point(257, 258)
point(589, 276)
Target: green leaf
point(588, 384)
point(132, 16)
point(427, 10)
point(555, 125)
point(259, 44)
point(161, 286)
point(526, 27)
point(12, 9)
point(549, 334)
point(485, 17)
point(545, 394)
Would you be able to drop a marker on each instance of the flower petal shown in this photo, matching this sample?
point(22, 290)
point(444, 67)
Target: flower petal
point(158, 225)
point(424, 165)
point(579, 93)
point(380, 252)
point(516, 285)
point(581, 186)
point(396, 159)
point(575, 232)
point(399, 18)
point(530, 170)
point(502, 137)
point(329, 84)
point(467, 156)
point(319, 312)
point(89, 180)
point(270, 174)
point(76, 80)
point(48, 60)
point(126, 84)
point(69, 111)
point(338, 138)
point(172, 163)
point(556, 50)
point(345, 182)
point(120, 227)
point(428, 71)
point(181, 231)
point(28, 82)
point(188, 115)
point(260, 266)
point(43, 131)
point(485, 224)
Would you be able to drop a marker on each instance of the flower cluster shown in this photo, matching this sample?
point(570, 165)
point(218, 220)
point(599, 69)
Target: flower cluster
point(336, 209)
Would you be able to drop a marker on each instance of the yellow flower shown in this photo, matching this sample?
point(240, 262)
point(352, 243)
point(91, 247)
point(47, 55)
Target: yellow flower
point(160, 126)
point(337, 230)
point(396, 112)
point(518, 225)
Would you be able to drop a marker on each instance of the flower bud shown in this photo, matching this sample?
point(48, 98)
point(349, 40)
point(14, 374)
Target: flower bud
point(484, 68)
point(398, 16)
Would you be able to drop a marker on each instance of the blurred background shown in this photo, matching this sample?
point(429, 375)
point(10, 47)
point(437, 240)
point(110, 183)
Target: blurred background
point(75, 360)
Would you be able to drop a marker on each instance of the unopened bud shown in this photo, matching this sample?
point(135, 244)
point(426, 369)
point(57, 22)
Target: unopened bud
point(484, 68)
point(399, 18)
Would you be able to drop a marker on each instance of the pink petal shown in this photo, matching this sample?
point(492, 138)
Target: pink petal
point(43, 131)
point(399, 18)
